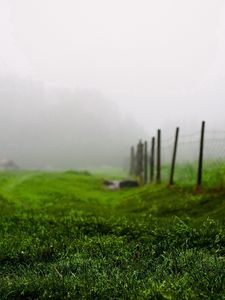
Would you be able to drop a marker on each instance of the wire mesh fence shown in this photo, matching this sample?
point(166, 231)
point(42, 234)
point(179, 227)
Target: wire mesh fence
point(188, 170)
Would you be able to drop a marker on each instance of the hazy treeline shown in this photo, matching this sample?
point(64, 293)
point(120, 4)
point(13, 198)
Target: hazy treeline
point(58, 128)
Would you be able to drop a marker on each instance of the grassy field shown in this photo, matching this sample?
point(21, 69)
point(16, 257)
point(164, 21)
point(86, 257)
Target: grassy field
point(64, 236)
point(186, 174)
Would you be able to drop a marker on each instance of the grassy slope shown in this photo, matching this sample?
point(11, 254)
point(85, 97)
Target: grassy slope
point(64, 236)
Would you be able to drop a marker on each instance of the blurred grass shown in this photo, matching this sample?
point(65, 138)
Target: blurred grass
point(213, 176)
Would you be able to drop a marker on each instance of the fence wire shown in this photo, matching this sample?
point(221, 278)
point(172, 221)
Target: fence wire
point(188, 156)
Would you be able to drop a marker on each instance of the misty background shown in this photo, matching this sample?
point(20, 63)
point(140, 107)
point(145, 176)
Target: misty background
point(82, 80)
point(80, 129)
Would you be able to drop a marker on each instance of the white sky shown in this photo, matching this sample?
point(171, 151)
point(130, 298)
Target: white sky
point(161, 61)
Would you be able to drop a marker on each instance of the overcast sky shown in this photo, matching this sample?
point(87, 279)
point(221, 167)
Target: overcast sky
point(162, 62)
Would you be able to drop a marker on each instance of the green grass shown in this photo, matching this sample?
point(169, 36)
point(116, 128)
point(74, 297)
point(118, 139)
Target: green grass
point(213, 175)
point(64, 236)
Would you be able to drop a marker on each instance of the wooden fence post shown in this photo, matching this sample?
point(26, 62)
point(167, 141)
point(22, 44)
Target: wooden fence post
point(158, 167)
point(152, 160)
point(139, 166)
point(141, 162)
point(171, 180)
point(145, 162)
point(132, 161)
point(200, 161)
point(137, 160)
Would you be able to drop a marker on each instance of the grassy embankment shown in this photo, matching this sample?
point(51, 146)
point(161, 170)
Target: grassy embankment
point(63, 236)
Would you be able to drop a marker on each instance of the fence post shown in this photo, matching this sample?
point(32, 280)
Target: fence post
point(158, 166)
point(171, 181)
point(132, 161)
point(200, 161)
point(152, 160)
point(139, 161)
point(145, 162)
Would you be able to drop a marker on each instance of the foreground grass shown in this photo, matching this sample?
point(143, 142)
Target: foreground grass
point(63, 236)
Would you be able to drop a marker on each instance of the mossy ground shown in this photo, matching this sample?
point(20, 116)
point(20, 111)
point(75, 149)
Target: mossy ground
point(64, 236)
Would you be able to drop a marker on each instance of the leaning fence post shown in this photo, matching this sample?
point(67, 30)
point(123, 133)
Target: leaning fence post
point(158, 167)
point(171, 181)
point(152, 160)
point(200, 161)
point(145, 162)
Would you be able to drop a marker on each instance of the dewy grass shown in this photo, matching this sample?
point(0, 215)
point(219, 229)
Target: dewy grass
point(213, 174)
point(64, 236)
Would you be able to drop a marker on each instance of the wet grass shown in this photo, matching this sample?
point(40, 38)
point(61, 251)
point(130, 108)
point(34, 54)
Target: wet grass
point(64, 236)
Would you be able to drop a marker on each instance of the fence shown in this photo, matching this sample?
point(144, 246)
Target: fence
point(197, 159)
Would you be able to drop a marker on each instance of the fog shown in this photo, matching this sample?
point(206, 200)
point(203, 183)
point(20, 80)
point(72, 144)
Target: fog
point(80, 81)
point(80, 129)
